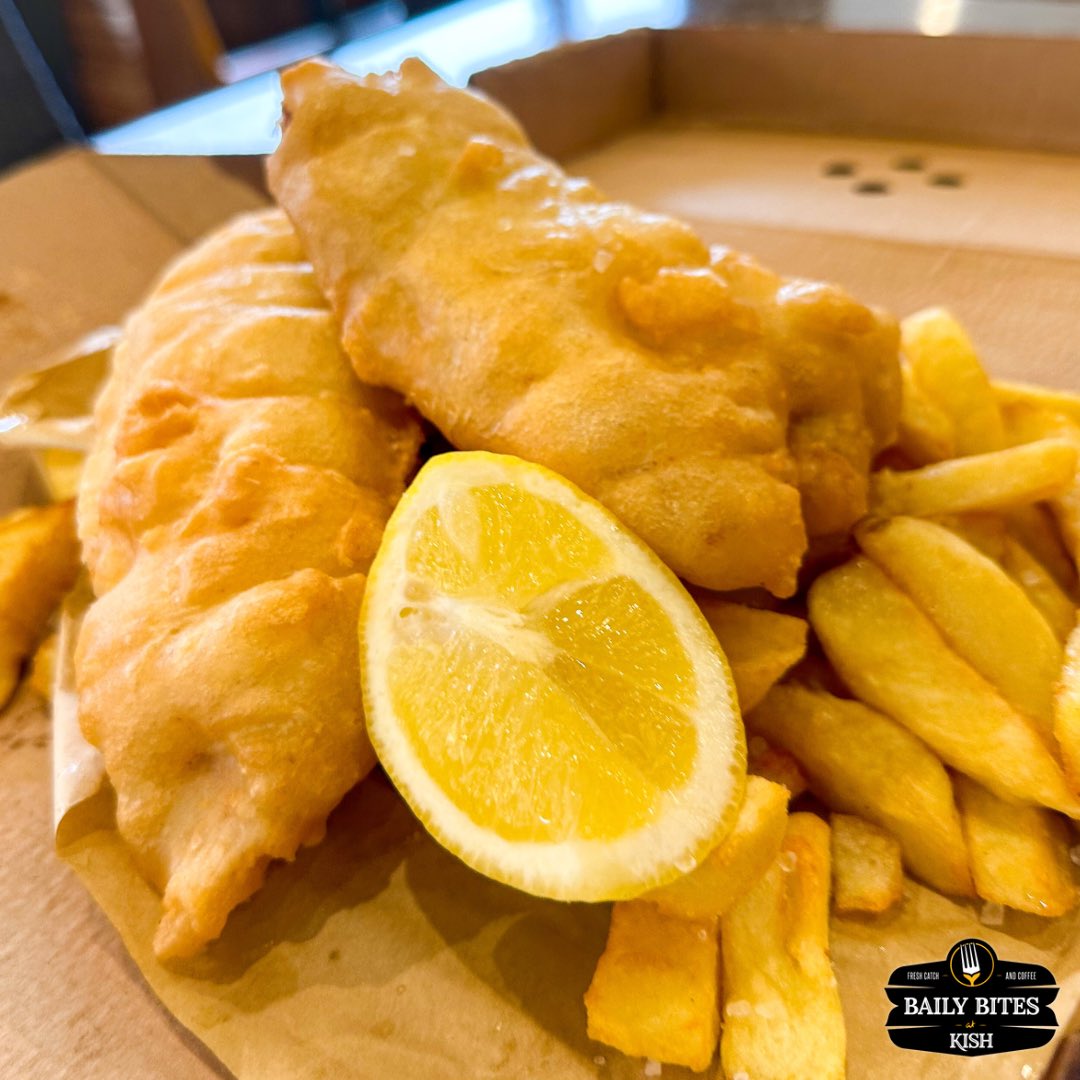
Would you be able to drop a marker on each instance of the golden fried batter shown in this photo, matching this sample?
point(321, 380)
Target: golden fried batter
point(236, 493)
point(721, 411)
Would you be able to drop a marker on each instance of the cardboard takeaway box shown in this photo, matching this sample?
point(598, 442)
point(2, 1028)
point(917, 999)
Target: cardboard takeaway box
point(911, 170)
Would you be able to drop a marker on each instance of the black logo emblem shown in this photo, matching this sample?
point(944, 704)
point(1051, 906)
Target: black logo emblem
point(971, 1003)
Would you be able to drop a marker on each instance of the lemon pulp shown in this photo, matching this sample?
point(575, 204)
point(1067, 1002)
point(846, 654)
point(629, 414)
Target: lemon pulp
point(540, 687)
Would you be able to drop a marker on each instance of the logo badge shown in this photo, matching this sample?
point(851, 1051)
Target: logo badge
point(971, 1003)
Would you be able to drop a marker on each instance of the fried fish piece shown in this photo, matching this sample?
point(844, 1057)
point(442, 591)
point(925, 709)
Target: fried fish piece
point(721, 411)
point(235, 495)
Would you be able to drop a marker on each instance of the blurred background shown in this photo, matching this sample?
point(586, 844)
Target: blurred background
point(198, 76)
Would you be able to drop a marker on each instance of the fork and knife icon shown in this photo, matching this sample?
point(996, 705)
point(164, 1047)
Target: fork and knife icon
point(969, 962)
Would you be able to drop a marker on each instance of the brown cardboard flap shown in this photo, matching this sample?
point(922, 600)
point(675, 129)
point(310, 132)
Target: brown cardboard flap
point(915, 247)
point(82, 237)
point(998, 239)
point(1021, 309)
point(929, 193)
point(77, 253)
point(579, 95)
point(988, 91)
point(187, 195)
point(1005, 92)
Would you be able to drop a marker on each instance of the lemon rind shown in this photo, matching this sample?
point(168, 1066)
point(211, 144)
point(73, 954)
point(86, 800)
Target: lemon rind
point(688, 822)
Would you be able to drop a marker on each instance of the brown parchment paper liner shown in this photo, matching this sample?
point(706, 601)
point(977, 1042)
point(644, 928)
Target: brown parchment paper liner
point(50, 407)
point(378, 954)
point(78, 770)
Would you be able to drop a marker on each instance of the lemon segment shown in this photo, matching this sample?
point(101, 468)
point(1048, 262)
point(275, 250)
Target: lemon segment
point(540, 687)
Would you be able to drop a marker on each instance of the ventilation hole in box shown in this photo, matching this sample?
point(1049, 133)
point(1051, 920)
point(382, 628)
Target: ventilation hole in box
point(947, 179)
point(871, 187)
point(909, 164)
point(839, 168)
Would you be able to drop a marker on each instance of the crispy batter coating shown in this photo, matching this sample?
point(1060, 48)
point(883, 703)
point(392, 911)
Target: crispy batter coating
point(721, 411)
point(235, 495)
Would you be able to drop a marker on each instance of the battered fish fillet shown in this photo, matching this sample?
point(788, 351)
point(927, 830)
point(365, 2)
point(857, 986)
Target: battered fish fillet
point(721, 411)
point(236, 493)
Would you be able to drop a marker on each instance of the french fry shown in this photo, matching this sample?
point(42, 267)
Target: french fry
point(815, 671)
point(1034, 527)
point(1067, 707)
point(861, 762)
point(894, 658)
point(986, 532)
point(1025, 425)
point(866, 869)
point(1066, 509)
point(995, 481)
point(1041, 588)
point(741, 858)
point(760, 645)
point(1064, 402)
point(43, 668)
point(62, 470)
point(946, 369)
point(775, 764)
point(981, 612)
point(995, 535)
point(39, 561)
point(1019, 854)
point(782, 1013)
point(925, 433)
point(654, 992)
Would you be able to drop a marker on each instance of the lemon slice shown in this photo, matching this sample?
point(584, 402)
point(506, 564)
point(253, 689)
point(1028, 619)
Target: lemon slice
point(540, 687)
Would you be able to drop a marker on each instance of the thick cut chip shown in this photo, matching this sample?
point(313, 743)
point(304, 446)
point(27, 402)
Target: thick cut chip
point(776, 764)
point(759, 645)
point(1019, 854)
point(894, 658)
point(654, 993)
point(1065, 402)
point(61, 470)
point(926, 433)
point(1034, 527)
point(540, 687)
point(995, 481)
point(945, 367)
point(1067, 708)
point(782, 1014)
point(43, 668)
point(982, 613)
point(1027, 424)
point(739, 860)
point(39, 560)
point(1041, 587)
point(986, 532)
point(861, 762)
point(866, 867)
